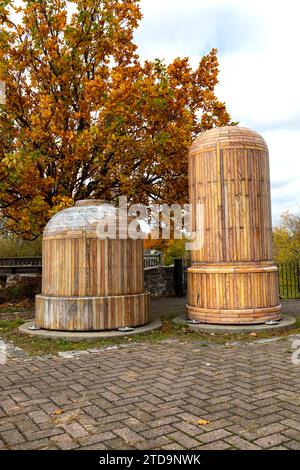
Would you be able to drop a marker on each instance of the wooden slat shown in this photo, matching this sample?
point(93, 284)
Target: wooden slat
point(90, 283)
point(233, 272)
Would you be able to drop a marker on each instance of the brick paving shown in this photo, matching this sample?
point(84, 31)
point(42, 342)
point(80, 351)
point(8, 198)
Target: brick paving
point(151, 396)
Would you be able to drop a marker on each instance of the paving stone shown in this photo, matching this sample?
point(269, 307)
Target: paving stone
point(163, 421)
point(292, 434)
point(159, 431)
point(217, 424)
point(279, 448)
point(239, 443)
point(99, 437)
point(47, 433)
point(187, 442)
point(263, 411)
point(269, 419)
point(270, 428)
point(292, 424)
point(64, 442)
point(216, 445)
point(128, 435)
point(39, 417)
point(33, 445)
point(12, 437)
point(75, 430)
point(172, 446)
point(154, 444)
point(292, 445)
point(2, 445)
point(188, 428)
point(270, 441)
point(213, 435)
point(151, 396)
point(98, 446)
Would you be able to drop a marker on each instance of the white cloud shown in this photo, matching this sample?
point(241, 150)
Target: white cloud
point(259, 69)
point(284, 169)
point(178, 27)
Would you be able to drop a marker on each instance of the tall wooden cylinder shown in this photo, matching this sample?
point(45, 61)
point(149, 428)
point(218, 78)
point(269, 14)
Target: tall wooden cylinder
point(90, 283)
point(232, 278)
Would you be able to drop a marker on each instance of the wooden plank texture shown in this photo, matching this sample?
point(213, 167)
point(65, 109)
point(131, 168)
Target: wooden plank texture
point(233, 273)
point(90, 283)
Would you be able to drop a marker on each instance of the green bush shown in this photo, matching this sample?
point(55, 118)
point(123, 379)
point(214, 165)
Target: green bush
point(11, 247)
point(175, 249)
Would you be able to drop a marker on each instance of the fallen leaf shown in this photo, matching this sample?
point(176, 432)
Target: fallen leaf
point(58, 412)
point(203, 422)
point(66, 418)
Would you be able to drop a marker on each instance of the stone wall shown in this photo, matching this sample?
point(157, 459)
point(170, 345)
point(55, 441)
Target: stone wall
point(13, 280)
point(159, 281)
point(19, 287)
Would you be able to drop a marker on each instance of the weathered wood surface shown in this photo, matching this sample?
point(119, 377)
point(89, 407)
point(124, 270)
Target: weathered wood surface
point(85, 266)
point(92, 313)
point(90, 283)
point(232, 278)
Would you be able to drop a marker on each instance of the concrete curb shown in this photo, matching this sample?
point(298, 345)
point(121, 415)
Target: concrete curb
point(77, 336)
point(284, 324)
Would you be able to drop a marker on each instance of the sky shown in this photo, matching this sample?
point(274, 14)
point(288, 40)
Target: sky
point(258, 43)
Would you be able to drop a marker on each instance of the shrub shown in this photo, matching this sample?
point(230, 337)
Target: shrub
point(16, 247)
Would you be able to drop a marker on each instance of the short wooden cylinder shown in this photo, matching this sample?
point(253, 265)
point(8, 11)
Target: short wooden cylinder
point(232, 278)
point(92, 313)
point(242, 294)
point(90, 283)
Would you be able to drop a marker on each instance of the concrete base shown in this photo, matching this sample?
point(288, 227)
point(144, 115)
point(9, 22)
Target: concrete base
point(91, 313)
point(285, 323)
point(76, 336)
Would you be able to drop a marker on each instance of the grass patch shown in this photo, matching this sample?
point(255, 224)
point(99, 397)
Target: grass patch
point(14, 309)
point(7, 326)
point(297, 324)
point(8, 309)
point(169, 331)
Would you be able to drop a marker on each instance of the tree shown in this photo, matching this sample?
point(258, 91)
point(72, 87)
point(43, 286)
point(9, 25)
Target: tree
point(84, 117)
point(286, 238)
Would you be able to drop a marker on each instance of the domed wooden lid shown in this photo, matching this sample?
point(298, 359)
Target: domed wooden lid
point(83, 217)
point(90, 202)
point(228, 137)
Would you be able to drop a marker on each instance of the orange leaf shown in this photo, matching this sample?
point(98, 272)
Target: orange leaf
point(203, 422)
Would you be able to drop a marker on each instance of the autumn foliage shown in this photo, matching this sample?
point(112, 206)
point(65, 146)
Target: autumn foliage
point(286, 238)
point(84, 117)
